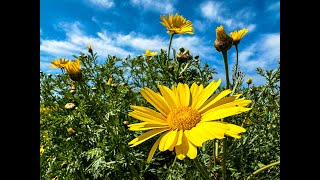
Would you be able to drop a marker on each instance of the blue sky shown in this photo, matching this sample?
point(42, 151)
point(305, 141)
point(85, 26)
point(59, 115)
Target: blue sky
point(129, 27)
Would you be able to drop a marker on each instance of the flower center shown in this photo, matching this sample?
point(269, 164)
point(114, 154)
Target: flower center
point(183, 118)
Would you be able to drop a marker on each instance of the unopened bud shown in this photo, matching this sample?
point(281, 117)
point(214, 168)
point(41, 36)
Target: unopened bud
point(58, 75)
point(49, 75)
point(209, 76)
point(70, 131)
point(198, 83)
point(126, 122)
point(72, 91)
point(181, 49)
point(249, 81)
point(196, 56)
point(70, 106)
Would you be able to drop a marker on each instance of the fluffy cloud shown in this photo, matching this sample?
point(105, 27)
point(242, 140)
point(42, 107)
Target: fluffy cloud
point(103, 4)
point(217, 12)
point(164, 6)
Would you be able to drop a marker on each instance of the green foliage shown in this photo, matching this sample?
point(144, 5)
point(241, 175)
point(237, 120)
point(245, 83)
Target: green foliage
point(98, 149)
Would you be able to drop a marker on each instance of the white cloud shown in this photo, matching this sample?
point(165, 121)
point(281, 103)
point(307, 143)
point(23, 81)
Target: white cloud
point(274, 6)
point(102, 4)
point(163, 6)
point(216, 12)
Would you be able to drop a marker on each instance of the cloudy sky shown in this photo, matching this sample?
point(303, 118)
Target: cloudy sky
point(129, 27)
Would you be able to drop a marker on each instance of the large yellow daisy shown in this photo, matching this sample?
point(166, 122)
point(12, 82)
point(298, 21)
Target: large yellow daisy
point(187, 117)
point(59, 63)
point(177, 24)
point(237, 35)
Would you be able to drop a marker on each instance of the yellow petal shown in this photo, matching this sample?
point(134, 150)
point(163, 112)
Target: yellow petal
point(195, 91)
point(169, 97)
point(179, 154)
point(154, 99)
point(146, 117)
point(195, 140)
point(150, 112)
point(234, 130)
point(175, 140)
point(236, 103)
point(206, 93)
point(212, 100)
point(222, 113)
point(192, 151)
point(146, 126)
point(217, 129)
point(145, 136)
point(184, 94)
point(154, 148)
point(179, 142)
point(167, 140)
point(197, 134)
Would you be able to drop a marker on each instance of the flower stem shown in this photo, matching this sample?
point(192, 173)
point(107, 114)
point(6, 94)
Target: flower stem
point(224, 141)
point(237, 62)
point(201, 169)
point(225, 60)
point(171, 36)
point(262, 169)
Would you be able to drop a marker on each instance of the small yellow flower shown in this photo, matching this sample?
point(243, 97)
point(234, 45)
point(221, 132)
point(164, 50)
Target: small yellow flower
point(41, 150)
point(177, 24)
point(249, 81)
point(237, 35)
point(59, 63)
point(149, 53)
point(89, 48)
point(223, 41)
point(73, 69)
point(109, 81)
point(186, 117)
point(70, 131)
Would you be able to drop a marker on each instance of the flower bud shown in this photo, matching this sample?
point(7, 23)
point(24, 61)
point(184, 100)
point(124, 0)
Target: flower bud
point(198, 83)
point(223, 41)
point(49, 75)
point(70, 106)
point(72, 91)
point(70, 131)
point(196, 56)
point(209, 76)
point(249, 81)
point(181, 49)
point(89, 48)
point(126, 122)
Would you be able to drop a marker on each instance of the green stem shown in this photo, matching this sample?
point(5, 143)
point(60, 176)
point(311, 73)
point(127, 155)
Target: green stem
point(237, 64)
point(262, 169)
point(225, 60)
point(215, 144)
point(224, 141)
point(201, 169)
point(171, 36)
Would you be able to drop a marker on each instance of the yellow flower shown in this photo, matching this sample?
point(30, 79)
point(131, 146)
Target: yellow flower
point(186, 118)
point(41, 150)
point(249, 81)
point(89, 48)
point(59, 63)
point(223, 41)
point(149, 53)
point(109, 81)
point(70, 131)
point(177, 24)
point(237, 35)
point(73, 69)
